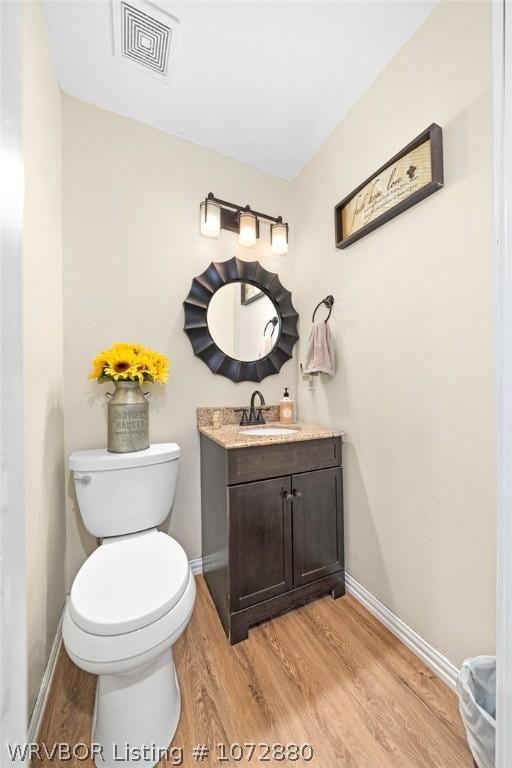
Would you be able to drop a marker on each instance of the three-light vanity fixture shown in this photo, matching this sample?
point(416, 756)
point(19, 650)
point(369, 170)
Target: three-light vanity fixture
point(219, 214)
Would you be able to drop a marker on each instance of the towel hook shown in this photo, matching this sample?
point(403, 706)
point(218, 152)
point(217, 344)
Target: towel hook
point(327, 302)
point(273, 322)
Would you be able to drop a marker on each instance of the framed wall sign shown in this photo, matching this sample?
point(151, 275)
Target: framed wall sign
point(249, 293)
point(410, 176)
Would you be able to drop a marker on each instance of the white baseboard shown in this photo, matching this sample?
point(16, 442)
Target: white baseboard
point(438, 663)
point(196, 565)
point(42, 697)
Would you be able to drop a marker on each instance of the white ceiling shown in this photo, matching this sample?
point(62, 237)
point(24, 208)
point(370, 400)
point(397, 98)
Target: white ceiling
point(263, 82)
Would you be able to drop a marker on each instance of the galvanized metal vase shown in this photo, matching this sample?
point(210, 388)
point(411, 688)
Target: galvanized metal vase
point(128, 418)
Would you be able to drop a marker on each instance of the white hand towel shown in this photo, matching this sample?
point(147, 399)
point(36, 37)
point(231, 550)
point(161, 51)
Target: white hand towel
point(320, 356)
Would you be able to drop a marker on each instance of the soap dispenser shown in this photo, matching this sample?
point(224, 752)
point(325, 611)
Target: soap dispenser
point(286, 408)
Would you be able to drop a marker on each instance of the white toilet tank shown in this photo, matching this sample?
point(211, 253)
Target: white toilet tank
point(120, 493)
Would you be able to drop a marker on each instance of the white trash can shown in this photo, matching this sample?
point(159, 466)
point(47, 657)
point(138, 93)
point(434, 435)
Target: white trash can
point(476, 686)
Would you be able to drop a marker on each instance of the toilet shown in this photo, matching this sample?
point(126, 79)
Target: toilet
point(130, 601)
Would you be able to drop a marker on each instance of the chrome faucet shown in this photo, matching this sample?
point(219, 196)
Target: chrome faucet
point(255, 414)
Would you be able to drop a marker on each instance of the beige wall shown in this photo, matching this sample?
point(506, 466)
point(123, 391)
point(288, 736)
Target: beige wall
point(43, 345)
point(132, 246)
point(414, 326)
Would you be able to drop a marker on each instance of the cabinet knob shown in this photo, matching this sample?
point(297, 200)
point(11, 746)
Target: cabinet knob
point(296, 494)
point(287, 496)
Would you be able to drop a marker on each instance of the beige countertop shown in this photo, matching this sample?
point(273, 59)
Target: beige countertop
point(231, 435)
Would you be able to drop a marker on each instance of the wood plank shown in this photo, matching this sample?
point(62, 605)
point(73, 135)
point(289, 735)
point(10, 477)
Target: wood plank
point(328, 674)
point(214, 524)
point(260, 541)
point(267, 461)
point(317, 525)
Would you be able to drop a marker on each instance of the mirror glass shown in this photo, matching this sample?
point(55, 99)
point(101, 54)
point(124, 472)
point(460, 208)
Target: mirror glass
point(243, 321)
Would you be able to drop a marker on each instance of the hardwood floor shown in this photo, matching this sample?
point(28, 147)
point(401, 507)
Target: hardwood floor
point(328, 675)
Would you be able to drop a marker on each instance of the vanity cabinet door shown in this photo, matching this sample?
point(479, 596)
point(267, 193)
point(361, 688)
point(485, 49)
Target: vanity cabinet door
point(317, 524)
point(260, 541)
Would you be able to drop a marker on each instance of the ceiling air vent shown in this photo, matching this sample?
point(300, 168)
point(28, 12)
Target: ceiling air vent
point(144, 36)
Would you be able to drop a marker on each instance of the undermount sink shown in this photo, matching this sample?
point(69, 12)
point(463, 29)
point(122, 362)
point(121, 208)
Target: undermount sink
point(268, 431)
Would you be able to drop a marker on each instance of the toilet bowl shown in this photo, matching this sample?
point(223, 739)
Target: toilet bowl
point(129, 603)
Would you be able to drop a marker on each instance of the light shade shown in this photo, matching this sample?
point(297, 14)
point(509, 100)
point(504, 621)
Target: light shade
point(279, 238)
point(210, 218)
point(248, 229)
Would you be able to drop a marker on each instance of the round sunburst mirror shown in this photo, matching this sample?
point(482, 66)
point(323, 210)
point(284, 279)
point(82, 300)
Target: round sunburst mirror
point(240, 320)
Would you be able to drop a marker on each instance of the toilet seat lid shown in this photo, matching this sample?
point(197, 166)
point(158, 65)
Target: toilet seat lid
point(128, 583)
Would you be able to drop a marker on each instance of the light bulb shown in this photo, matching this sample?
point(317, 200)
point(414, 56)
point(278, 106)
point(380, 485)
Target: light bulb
point(279, 238)
point(248, 229)
point(210, 218)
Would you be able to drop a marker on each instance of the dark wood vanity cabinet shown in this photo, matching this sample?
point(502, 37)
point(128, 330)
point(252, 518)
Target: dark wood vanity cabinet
point(272, 528)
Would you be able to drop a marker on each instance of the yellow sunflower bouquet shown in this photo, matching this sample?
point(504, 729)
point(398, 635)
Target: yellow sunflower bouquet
point(130, 362)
